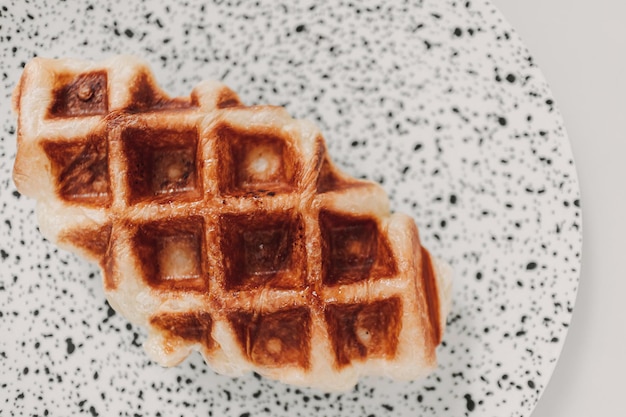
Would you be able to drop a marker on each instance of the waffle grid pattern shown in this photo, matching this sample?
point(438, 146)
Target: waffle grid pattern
point(229, 225)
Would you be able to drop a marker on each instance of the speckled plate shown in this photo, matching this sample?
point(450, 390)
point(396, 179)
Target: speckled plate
point(439, 101)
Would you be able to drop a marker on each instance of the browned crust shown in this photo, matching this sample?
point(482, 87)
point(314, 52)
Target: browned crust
point(80, 169)
point(330, 180)
point(94, 241)
point(108, 272)
point(263, 250)
point(270, 335)
point(364, 330)
point(147, 242)
point(149, 152)
point(78, 95)
point(232, 148)
point(432, 296)
point(146, 96)
point(354, 248)
point(195, 327)
point(228, 98)
point(280, 338)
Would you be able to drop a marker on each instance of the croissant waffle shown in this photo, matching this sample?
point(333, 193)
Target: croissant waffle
point(226, 228)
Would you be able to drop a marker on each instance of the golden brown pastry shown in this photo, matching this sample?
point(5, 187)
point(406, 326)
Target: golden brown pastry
point(225, 228)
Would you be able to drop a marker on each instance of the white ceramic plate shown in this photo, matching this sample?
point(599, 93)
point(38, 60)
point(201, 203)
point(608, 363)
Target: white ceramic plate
point(437, 100)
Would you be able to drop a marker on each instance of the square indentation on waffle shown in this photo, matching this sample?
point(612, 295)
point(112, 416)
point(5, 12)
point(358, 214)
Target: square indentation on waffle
point(162, 164)
point(79, 95)
point(263, 249)
point(195, 327)
point(276, 338)
point(353, 249)
point(364, 330)
point(80, 169)
point(328, 180)
point(170, 253)
point(254, 162)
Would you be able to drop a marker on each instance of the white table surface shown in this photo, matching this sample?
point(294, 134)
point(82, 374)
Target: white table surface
point(581, 48)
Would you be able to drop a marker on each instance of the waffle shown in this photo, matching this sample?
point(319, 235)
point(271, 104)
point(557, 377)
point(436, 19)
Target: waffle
point(226, 228)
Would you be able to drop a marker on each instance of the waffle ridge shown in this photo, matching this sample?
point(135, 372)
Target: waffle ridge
point(226, 228)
